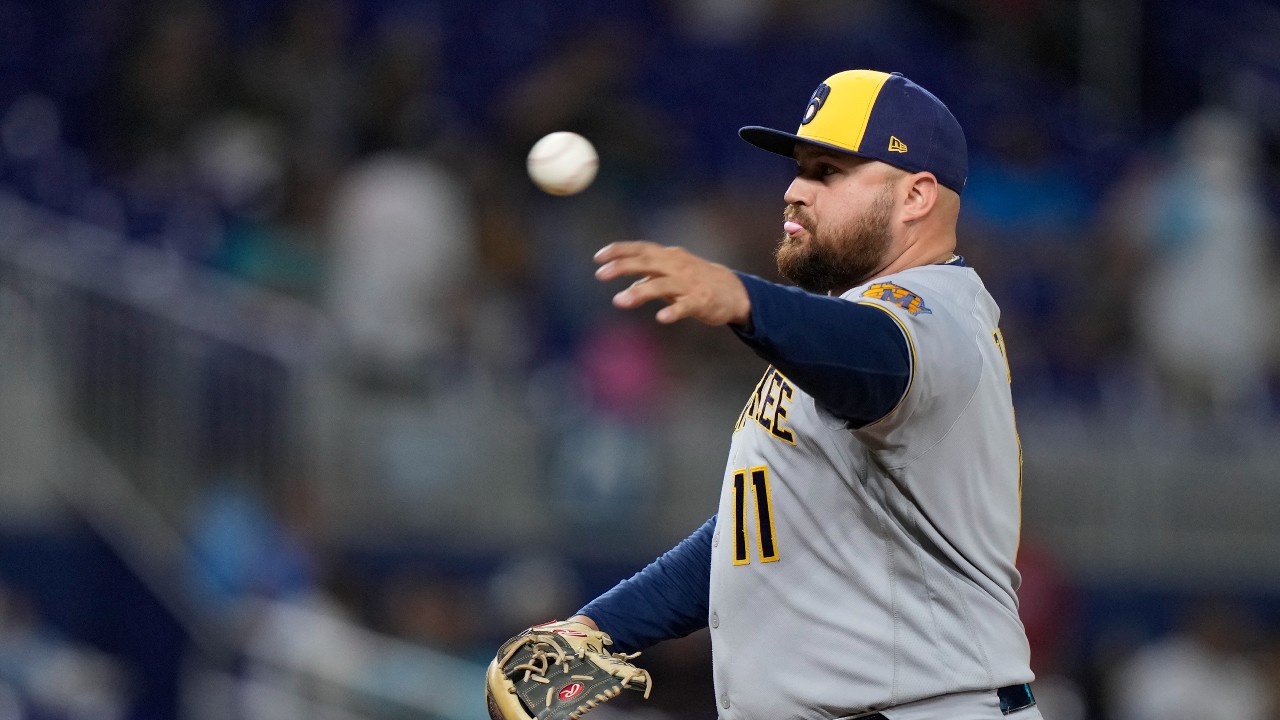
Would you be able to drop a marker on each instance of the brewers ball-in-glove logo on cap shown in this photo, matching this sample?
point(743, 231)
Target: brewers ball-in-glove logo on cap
point(879, 116)
point(815, 103)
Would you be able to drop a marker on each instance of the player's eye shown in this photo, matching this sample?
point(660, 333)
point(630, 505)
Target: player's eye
point(816, 171)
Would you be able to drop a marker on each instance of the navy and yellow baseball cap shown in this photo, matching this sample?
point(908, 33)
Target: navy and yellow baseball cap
point(879, 116)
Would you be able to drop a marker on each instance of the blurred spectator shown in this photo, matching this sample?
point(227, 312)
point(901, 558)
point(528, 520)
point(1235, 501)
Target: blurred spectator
point(401, 222)
point(45, 676)
point(269, 208)
point(606, 469)
point(172, 75)
point(242, 551)
point(238, 157)
point(300, 72)
point(399, 104)
point(1020, 188)
point(1025, 212)
point(1203, 300)
point(402, 258)
point(1047, 603)
point(589, 84)
point(1201, 671)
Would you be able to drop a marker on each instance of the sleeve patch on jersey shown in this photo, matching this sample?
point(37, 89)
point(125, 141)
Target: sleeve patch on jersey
point(898, 295)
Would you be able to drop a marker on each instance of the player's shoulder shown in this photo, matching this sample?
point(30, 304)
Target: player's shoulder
point(923, 291)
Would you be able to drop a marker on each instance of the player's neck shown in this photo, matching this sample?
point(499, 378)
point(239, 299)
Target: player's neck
point(938, 250)
point(908, 252)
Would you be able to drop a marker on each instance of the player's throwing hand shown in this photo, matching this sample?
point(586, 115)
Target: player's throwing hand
point(691, 286)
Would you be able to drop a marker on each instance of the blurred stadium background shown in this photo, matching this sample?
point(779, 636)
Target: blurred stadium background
point(308, 399)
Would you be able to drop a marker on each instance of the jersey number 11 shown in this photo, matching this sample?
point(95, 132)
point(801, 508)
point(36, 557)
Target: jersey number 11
point(763, 513)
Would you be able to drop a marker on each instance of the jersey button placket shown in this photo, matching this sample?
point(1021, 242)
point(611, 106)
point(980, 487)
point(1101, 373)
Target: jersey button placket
point(724, 700)
point(715, 620)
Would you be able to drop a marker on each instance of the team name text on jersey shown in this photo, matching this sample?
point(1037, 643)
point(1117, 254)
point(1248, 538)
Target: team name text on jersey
point(768, 405)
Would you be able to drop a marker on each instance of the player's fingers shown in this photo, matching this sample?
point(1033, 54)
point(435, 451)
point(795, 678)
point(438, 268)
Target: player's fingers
point(677, 310)
point(646, 289)
point(646, 263)
point(646, 258)
point(626, 248)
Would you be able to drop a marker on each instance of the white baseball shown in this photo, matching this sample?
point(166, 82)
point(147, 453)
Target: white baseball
point(563, 163)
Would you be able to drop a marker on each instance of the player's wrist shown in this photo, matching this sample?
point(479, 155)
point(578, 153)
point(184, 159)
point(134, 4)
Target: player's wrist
point(585, 621)
point(742, 313)
point(743, 321)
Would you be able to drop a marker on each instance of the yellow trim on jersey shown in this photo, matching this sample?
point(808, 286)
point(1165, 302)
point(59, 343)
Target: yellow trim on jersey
point(843, 117)
point(998, 336)
point(911, 345)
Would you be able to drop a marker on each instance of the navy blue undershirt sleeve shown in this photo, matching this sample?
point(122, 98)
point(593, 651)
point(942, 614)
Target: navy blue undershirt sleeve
point(853, 359)
point(667, 599)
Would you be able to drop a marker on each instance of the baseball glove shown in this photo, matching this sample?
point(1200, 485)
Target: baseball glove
point(558, 671)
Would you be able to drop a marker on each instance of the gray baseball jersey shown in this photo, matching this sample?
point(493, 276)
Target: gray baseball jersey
point(858, 569)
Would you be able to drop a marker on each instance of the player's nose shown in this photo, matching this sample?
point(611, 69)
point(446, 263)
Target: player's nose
point(798, 192)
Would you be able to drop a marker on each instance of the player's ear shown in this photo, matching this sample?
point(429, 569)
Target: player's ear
point(921, 196)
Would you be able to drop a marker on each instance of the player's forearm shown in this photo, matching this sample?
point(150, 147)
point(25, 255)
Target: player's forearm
point(851, 358)
point(665, 600)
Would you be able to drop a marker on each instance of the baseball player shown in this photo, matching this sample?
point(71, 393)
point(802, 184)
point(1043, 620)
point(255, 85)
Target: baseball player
point(861, 562)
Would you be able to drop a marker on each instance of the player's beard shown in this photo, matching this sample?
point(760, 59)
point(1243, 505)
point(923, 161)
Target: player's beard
point(837, 258)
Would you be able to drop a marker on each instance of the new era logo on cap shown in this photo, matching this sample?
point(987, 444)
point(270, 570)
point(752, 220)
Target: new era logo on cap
point(879, 116)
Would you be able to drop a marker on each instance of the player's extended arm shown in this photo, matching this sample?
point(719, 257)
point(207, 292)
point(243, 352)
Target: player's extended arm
point(667, 599)
point(851, 358)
